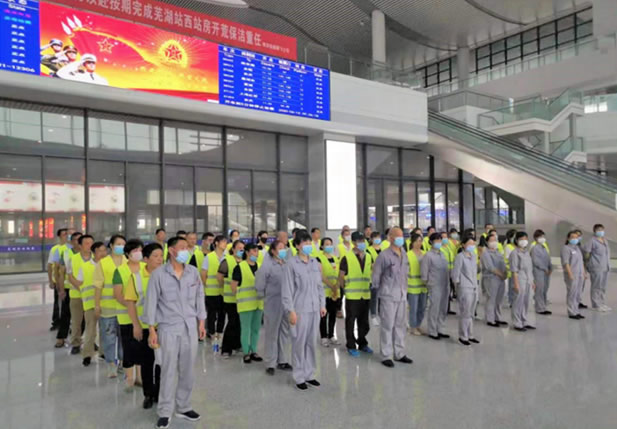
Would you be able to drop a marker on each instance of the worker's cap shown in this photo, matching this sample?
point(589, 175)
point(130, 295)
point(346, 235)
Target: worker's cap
point(57, 42)
point(88, 58)
point(357, 236)
point(70, 48)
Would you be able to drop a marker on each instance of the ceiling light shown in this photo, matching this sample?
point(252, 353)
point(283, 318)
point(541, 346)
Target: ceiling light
point(228, 3)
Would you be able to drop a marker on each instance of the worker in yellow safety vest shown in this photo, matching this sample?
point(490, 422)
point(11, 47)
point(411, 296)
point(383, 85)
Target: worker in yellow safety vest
point(329, 272)
point(134, 253)
point(375, 246)
point(202, 250)
point(53, 264)
point(508, 249)
point(213, 291)
point(417, 292)
point(231, 336)
point(74, 314)
point(135, 296)
point(234, 235)
point(316, 242)
point(161, 238)
point(346, 244)
point(77, 261)
point(426, 243)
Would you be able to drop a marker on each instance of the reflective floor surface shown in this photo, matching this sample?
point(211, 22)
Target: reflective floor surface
point(564, 375)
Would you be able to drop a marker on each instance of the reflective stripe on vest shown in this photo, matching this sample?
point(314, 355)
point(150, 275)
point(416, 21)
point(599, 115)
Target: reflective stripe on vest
point(212, 287)
point(246, 295)
point(415, 285)
point(228, 296)
point(87, 286)
point(121, 312)
point(76, 263)
point(108, 302)
point(357, 282)
point(329, 272)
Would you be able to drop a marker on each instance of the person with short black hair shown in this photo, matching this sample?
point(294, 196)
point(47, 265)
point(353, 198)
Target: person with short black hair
point(508, 248)
point(200, 253)
point(53, 262)
point(465, 277)
point(426, 243)
point(304, 302)
point(160, 237)
point(374, 243)
point(234, 235)
point(330, 272)
point(522, 276)
point(573, 273)
point(542, 269)
point(67, 318)
point(213, 291)
point(175, 313)
point(417, 293)
point(316, 242)
point(434, 272)
point(231, 336)
point(493, 276)
point(182, 234)
point(598, 255)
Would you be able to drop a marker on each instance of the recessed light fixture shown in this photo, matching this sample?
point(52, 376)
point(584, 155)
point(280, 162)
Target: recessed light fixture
point(228, 3)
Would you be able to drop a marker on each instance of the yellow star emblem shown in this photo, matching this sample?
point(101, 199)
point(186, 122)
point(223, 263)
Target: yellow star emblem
point(105, 46)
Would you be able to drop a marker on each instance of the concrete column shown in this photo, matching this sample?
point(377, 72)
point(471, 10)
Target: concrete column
point(462, 66)
point(378, 33)
point(573, 132)
point(547, 143)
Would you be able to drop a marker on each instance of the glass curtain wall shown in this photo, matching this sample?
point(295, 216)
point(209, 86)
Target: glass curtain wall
point(104, 173)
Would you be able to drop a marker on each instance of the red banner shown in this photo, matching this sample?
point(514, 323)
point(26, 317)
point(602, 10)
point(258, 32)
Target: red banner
point(185, 21)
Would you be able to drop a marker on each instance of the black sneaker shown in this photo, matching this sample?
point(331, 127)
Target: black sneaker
point(270, 371)
point(502, 323)
point(247, 359)
point(464, 342)
point(575, 317)
point(581, 305)
point(473, 340)
point(520, 329)
point(148, 403)
point(313, 383)
point(284, 367)
point(162, 423)
point(443, 335)
point(86, 361)
point(404, 359)
point(191, 416)
point(302, 387)
point(388, 363)
point(96, 347)
point(434, 337)
point(256, 358)
point(546, 313)
point(529, 327)
point(493, 325)
point(75, 350)
point(580, 316)
point(453, 313)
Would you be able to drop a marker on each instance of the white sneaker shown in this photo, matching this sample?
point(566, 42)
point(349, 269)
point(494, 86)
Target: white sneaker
point(334, 342)
point(112, 370)
point(325, 342)
point(416, 332)
point(605, 308)
point(375, 320)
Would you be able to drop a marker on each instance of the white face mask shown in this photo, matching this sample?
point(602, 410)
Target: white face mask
point(492, 245)
point(136, 256)
point(347, 237)
point(541, 240)
point(523, 243)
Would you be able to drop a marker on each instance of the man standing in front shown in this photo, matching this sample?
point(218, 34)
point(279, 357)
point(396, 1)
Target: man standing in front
point(390, 281)
point(175, 301)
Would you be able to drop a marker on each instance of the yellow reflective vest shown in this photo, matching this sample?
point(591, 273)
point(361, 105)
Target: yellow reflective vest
point(140, 280)
point(228, 296)
point(212, 287)
point(121, 312)
point(86, 288)
point(246, 295)
point(358, 281)
point(330, 271)
point(415, 285)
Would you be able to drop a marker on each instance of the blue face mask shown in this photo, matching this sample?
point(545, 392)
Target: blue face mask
point(328, 249)
point(377, 241)
point(253, 258)
point(573, 241)
point(437, 245)
point(599, 233)
point(240, 254)
point(361, 246)
point(399, 241)
point(118, 250)
point(444, 241)
point(307, 249)
point(183, 256)
point(282, 253)
point(470, 249)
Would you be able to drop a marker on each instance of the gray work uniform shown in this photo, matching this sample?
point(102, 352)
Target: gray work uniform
point(465, 277)
point(389, 279)
point(175, 305)
point(520, 263)
point(542, 266)
point(599, 255)
point(494, 286)
point(434, 271)
point(570, 255)
point(303, 294)
point(269, 282)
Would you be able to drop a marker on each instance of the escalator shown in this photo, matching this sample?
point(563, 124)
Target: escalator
point(568, 192)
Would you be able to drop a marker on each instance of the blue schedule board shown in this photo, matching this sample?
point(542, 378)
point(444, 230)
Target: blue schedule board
point(270, 84)
point(19, 36)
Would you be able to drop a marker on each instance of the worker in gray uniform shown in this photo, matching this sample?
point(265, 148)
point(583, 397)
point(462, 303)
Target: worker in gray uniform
point(465, 278)
point(304, 303)
point(573, 274)
point(175, 302)
point(269, 284)
point(598, 255)
point(434, 272)
point(522, 278)
point(494, 274)
point(389, 280)
point(542, 269)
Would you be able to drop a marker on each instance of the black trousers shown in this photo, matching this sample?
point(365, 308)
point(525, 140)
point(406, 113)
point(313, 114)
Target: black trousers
point(215, 309)
point(130, 346)
point(65, 317)
point(55, 315)
point(231, 337)
point(150, 373)
point(357, 310)
point(326, 325)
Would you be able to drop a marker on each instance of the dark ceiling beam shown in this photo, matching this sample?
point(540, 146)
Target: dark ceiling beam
point(405, 32)
point(475, 4)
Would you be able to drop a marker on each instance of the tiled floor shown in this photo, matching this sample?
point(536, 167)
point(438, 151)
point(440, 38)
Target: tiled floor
point(564, 375)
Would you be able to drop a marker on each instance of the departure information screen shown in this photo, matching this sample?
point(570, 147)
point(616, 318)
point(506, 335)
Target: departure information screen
point(261, 82)
point(19, 36)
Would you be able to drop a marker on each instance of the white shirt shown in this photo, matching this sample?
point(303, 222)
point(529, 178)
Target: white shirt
point(71, 72)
